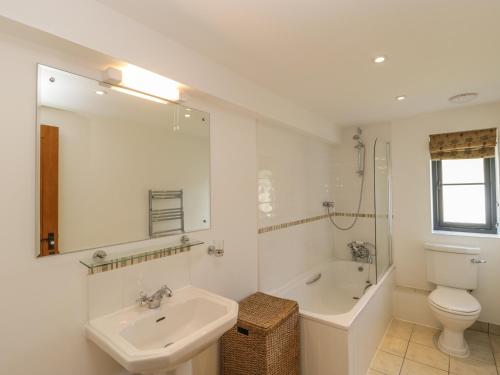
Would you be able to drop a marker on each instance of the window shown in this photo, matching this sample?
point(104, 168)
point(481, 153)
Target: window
point(464, 195)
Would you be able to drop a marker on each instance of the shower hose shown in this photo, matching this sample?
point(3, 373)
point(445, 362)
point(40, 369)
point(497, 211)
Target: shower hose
point(359, 202)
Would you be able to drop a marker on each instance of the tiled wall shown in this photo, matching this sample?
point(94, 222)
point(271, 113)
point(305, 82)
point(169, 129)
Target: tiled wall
point(294, 174)
point(346, 184)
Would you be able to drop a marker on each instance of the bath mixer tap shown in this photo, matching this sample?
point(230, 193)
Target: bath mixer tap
point(360, 251)
point(154, 301)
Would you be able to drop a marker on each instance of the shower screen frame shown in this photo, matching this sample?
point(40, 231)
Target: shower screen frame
point(382, 203)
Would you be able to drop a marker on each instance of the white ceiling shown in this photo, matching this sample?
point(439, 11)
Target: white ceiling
point(317, 53)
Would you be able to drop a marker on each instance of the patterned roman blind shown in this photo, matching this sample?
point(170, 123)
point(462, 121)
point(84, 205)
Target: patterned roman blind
point(463, 145)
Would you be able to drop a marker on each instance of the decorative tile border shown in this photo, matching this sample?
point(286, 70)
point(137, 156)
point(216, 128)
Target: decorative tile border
point(272, 228)
point(142, 257)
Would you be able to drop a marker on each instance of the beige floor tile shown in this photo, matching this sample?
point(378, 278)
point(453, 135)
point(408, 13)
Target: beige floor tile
point(374, 372)
point(424, 335)
point(386, 363)
point(481, 352)
point(415, 368)
point(495, 343)
point(428, 356)
point(494, 329)
point(400, 329)
point(394, 345)
point(476, 337)
point(467, 366)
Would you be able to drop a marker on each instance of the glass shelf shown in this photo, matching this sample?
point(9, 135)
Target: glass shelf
point(113, 262)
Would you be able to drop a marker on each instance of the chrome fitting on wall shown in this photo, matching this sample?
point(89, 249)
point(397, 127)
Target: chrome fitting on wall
point(217, 249)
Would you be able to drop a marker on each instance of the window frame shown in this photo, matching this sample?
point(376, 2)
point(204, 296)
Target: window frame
point(491, 226)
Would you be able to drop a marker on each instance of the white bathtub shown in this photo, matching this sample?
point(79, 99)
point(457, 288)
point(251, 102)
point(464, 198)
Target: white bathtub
point(341, 323)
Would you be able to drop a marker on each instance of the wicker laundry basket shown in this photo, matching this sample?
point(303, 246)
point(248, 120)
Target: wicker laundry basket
point(265, 341)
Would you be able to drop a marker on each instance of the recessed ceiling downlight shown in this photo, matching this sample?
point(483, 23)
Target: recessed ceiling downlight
point(379, 59)
point(400, 98)
point(463, 98)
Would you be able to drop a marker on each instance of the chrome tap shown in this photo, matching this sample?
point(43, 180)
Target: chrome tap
point(360, 251)
point(154, 301)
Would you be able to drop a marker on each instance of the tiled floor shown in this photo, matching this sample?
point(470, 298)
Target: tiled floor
point(409, 349)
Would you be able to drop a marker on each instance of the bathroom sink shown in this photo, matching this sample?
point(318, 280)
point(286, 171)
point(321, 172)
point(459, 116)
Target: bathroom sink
point(147, 340)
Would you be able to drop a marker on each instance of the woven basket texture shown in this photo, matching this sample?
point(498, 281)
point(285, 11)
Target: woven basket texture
point(265, 341)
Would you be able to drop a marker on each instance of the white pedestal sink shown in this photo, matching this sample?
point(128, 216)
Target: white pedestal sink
point(157, 341)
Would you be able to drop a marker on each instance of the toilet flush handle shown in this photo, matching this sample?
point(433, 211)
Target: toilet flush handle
point(478, 260)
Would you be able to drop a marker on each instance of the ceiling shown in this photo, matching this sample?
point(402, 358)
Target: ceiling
point(318, 53)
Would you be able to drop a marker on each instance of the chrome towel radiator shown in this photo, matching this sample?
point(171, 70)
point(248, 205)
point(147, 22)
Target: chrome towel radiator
point(164, 215)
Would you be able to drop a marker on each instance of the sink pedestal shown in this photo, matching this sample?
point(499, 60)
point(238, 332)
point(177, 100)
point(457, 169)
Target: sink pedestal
point(184, 369)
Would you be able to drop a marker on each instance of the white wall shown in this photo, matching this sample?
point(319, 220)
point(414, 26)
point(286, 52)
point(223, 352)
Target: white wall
point(296, 168)
point(412, 210)
point(106, 168)
point(45, 302)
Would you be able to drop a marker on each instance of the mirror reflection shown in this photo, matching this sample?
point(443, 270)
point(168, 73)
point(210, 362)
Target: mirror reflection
point(116, 166)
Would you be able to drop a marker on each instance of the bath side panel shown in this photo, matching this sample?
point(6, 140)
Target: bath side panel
point(367, 330)
point(323, 349)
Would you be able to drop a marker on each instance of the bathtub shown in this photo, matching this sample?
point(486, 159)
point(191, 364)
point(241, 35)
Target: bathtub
point(342, 316)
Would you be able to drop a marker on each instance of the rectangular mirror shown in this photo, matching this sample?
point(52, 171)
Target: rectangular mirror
point(116, 166)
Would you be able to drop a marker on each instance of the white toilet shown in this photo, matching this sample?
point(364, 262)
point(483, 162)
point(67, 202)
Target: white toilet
point(454, 270)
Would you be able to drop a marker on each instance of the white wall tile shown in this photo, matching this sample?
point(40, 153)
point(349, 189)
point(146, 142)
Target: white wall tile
point(300, 167)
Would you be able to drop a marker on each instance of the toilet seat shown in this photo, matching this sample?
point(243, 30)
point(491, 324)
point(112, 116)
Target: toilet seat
point(454, 301)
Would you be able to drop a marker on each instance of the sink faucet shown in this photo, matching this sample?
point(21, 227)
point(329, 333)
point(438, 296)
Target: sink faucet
point(154, 301)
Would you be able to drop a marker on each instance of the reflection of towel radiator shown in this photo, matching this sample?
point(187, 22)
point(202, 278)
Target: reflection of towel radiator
point(163, 215)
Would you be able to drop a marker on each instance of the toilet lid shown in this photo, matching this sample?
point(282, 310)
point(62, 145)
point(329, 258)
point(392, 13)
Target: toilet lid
point(454, 300)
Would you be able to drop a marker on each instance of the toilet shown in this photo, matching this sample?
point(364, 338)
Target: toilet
point(453, 269)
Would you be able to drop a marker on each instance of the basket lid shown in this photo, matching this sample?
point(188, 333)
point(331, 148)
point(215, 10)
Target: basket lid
point(264, 311)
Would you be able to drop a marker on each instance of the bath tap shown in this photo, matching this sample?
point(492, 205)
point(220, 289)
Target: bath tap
point(360, 251)
point(154, 301)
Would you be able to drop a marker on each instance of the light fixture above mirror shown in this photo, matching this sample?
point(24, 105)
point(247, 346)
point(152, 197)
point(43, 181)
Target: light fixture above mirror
point(132, 77)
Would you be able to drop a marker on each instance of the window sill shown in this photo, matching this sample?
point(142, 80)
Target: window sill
point(465, 234)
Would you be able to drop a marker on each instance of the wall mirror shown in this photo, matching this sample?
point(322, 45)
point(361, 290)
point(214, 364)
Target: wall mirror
point(116, 166)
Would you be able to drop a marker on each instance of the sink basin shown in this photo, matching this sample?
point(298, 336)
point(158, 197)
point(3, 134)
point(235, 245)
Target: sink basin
point(147, 340)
